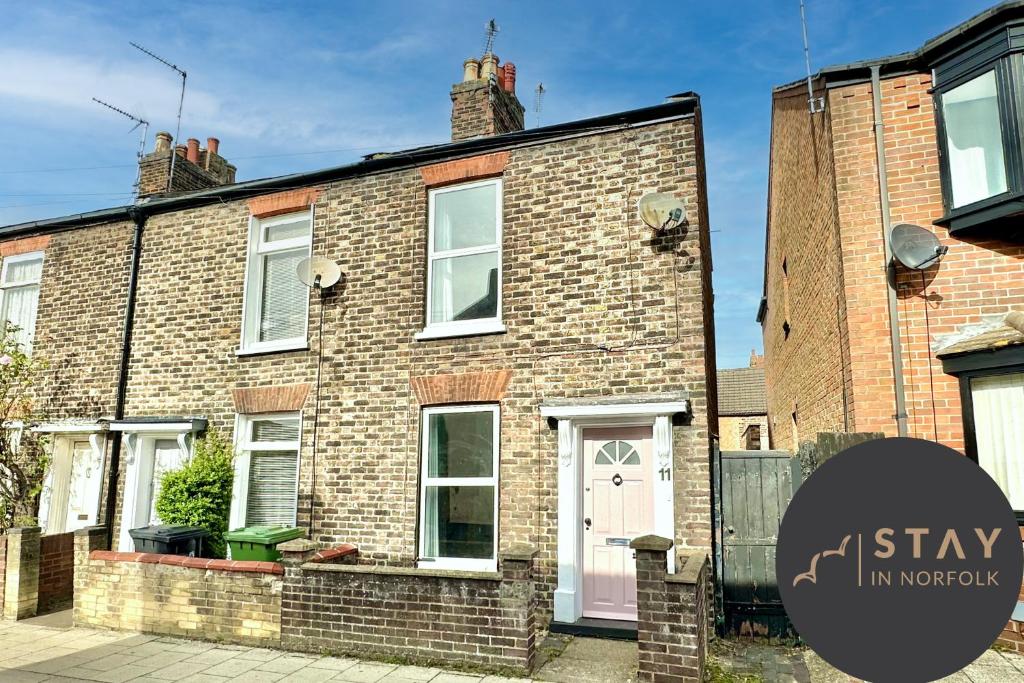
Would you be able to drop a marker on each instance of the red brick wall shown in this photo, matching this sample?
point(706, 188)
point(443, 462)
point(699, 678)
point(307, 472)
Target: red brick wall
point(979, 276)
point(56, 571)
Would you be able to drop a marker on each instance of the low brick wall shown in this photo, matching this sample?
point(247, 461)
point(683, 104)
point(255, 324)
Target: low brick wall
point(673, 612)
point(56, 571)
point(461, 619)
point(216, 600)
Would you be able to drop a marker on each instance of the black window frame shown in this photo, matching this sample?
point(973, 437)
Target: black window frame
point(1006, 361)
point(1001, 51)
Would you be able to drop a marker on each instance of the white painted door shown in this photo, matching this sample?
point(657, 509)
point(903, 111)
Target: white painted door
point(83, 486)
point(618, 506)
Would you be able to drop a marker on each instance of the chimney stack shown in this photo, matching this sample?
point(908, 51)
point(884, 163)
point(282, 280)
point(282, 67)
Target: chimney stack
point(485, 102)
point(195, 168)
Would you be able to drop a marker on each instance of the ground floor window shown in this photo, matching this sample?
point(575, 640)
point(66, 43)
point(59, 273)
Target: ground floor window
point(267, 471)
point(998, 407)
point(459, 488)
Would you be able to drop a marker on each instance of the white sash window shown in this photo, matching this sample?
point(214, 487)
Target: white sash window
point(276, 308)
point(19, 294)
point(266, 470)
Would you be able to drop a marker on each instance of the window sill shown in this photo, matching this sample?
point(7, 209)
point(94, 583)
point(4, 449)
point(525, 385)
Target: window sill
point(985, 213)
point(277, 348)
point(450, 565)
point(467, 330)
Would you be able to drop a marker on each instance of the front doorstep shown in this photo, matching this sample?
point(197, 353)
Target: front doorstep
point(596, 628)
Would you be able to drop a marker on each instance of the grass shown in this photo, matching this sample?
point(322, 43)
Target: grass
point(714, 673)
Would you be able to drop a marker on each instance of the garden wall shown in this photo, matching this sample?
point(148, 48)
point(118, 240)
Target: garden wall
point(216, 600)
point(674, 612)
point(56, 571)
point(471, 619)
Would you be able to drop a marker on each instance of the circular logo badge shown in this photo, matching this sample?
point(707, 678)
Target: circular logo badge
point(899, 560)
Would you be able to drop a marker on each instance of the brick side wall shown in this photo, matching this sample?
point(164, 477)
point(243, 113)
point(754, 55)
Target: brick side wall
point(3, 571)
point(56, 571)
point(432, 617)
point(594, 306)
point(163, 594)
point(806, 372)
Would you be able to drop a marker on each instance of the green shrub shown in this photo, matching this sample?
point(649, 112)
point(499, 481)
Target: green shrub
point(199, 494)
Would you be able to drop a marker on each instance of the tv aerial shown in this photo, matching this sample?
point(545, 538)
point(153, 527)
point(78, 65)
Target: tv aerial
point(915, 247)
point(139, 122)
point(661, 211)
point(318, 272)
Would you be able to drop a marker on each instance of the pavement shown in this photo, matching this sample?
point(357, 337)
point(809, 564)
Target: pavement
point(49, 649)
point(745, 661)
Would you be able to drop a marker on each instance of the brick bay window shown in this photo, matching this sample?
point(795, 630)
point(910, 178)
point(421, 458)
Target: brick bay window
point(981, 158)
point(266, 470)
point(276, 306)
point(19, 294)
point(464, 261)
point(459, 488)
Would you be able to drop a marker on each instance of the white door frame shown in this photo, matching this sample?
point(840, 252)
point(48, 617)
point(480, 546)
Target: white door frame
point(96, 433)
point(572, 420)
point(139, 466)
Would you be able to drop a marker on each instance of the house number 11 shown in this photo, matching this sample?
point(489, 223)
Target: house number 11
point(666, 474)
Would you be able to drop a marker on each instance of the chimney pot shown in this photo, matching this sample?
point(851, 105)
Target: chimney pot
point(470, 70)
point(163, 141)
point(180, 150)
point(489, 66)
point(212, 145)
point(510, 77)
point(193, 150)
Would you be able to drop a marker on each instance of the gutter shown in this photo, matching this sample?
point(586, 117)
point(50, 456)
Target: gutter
point(139, 218)
point(890, 275)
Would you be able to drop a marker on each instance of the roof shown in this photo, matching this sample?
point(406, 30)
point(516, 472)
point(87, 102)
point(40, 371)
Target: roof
point(741, 391)
point(682, 105)
point(917, 60)
point(992, 333)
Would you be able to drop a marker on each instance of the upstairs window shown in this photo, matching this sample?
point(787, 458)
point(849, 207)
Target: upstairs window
point(974, 140)
point(19, 294)
point(276, 308)
point(464, 261)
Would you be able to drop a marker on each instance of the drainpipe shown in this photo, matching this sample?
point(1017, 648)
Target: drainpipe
point(890, 280)
point(139, 219)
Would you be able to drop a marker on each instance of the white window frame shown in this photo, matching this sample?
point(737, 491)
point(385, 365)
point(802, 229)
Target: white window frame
point(253, 287)
point(458, 563)
point(463, 328)
point(243, 457)
point(5, 285)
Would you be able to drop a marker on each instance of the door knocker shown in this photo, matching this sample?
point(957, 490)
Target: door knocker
point(617, 479)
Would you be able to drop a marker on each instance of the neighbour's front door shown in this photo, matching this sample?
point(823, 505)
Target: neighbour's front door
point(618, 506)
point(84, 488)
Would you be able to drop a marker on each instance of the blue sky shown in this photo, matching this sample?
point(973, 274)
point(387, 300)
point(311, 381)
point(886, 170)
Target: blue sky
point(297, 86)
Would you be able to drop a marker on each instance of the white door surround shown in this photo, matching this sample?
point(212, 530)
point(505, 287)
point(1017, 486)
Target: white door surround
point(572, 419)
point(65, 435)
point(140, 443)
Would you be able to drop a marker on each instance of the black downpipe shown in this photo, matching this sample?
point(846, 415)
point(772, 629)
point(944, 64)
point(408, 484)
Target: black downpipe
point(139, 219)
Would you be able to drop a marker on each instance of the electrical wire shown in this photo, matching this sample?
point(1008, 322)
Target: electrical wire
point(931, 374)
point(316, 415)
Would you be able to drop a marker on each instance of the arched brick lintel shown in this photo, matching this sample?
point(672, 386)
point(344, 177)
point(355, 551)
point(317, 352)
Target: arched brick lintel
point(470, 387)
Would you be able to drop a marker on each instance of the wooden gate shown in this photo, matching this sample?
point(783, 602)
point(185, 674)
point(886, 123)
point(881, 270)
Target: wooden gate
point(753, 490)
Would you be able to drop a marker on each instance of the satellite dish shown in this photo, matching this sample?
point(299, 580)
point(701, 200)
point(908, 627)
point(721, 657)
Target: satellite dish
point(661, 210)
point(318, 272)
point(915, 247)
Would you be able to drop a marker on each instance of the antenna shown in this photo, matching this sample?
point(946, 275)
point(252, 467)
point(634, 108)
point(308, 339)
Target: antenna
point(318, 272)
point(492, 31)
point(915, 247)
point(181, 102)
point(142, 140)
point(661, 211)
point(815, 104)
point(538, 102)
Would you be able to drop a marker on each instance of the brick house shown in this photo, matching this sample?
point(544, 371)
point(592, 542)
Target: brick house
point(506, 336)
point(916, 139)
point(743, 408)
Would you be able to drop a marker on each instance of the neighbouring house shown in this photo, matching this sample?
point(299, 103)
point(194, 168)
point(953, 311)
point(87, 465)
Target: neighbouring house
point(510, 356)
point(742, 408)
point(927, 138)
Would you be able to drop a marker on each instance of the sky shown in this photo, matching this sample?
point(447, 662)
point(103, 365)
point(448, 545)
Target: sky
point(298, 86)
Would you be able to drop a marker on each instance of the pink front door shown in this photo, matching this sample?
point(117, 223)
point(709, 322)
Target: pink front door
point(618, 506)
